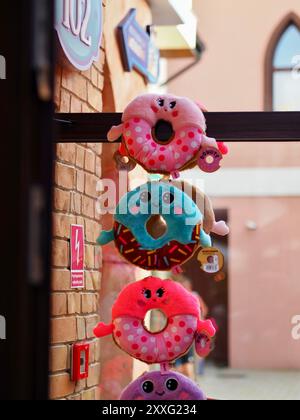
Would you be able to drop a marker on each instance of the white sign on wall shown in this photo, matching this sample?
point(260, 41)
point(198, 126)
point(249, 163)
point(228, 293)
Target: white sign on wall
point(79, 27)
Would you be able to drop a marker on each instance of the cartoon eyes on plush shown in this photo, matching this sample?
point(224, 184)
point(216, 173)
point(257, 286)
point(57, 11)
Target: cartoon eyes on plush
point(170, 385)
point(166, 386)
point(144, 143)
point(162, 104)
point(160, 227)
point(181, 310)
point(148, 294)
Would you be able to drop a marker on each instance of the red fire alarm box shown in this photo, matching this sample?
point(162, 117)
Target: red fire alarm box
point(80, 361)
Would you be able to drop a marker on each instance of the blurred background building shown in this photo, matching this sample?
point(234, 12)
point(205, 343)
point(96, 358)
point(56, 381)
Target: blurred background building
point(236, 56)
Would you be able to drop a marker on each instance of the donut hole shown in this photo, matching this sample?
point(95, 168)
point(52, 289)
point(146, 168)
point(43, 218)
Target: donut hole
point(209, 160)
point(155, 321)
point(156, 226)
point(163, 132)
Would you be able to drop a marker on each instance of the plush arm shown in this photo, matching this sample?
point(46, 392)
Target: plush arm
point(102, 330)
point(207, 328)
point(205, 239)
point(115, 133)
point(209, 142)
point(106, 237)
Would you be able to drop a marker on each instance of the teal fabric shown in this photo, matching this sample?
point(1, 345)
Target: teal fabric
point(106, 237)
point(179, 226)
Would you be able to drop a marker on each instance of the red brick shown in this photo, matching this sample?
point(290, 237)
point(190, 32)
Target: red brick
point(96, 278)
point(62, 225)
point(91, 185)
point(80, 156)
point(100, 63)
point(58, 304)
point(75, 83)
point(88, 207)
point(57, 89)
point(60, 280)
point(62, 200)
point(76, 203)
point(64, 176)
point(60, 253)
point(88, 109)
point(80, 385)
point(89, 257)
point(90, 160)
point(96, 147)
point(80, 181)
point(61, 386)
point(59, 358)
point(63, 330)
point(98, 257)
point(88, 303)
point(92, 230)
point(98, 169)
point(76, 105)
point(94, 76)
point(81, 329)
point(87, 73)
point(65, 101)
point(66, 152)
point(94, 375)
point(90, 323)
point(75, 397)
point(95, 351)
point(88, 395)
point(100, 82)
point(74, 303)
point(95, 97)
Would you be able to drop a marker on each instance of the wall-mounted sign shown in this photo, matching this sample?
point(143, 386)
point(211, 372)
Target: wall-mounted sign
point(79, 27)
point(138, 50)
point(77, 257)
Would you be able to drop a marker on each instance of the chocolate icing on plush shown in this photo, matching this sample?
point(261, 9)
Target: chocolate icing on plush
point(167, 386)
point(178, 210)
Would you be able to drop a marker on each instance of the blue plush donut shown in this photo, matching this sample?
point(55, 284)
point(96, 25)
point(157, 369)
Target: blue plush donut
point(139, 209)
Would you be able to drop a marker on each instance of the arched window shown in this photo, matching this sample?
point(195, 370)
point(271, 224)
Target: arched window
point(283, 67)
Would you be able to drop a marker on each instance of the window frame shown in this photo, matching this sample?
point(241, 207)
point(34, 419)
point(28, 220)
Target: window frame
point(290, 19)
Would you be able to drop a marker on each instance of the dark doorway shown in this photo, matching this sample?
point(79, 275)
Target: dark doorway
point(26, 34)
point(214, 291)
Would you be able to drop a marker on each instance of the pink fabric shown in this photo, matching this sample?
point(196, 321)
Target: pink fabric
point(153, 156)
point(166, 346)
point(186, 113)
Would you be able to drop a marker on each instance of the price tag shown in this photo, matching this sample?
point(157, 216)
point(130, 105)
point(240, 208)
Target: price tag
point(211, 260)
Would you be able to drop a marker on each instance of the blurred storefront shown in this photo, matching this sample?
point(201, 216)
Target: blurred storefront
point(249, 64)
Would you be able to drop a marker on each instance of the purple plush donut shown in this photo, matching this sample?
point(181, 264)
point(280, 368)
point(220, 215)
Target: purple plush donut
point(166, 386)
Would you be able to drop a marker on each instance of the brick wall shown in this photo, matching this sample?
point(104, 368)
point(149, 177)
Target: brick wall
point(78, 168)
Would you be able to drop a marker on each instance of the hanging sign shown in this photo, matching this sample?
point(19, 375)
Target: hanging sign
point(137, 48)
point(79, 27)
point(77, 257)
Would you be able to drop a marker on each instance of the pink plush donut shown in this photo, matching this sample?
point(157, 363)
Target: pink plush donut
point(159, 153)
point(182, 310)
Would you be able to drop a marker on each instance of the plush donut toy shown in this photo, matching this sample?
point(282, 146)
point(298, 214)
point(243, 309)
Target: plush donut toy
point(159, 227)
point(181, 309)
point(166, 134)
point(166, 386)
